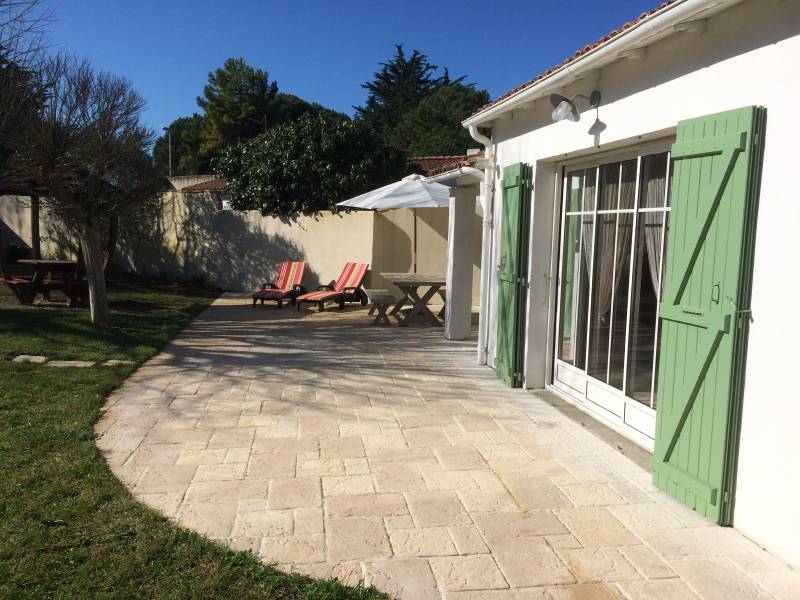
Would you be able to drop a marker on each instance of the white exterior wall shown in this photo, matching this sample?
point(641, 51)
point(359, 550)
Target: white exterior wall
point(750, 54)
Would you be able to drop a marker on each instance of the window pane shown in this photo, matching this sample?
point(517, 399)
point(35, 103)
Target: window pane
point(622, 267)
point(644, 305)
point(603, 281)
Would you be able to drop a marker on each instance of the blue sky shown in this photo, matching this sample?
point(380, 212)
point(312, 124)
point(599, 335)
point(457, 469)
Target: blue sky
point(323, 50)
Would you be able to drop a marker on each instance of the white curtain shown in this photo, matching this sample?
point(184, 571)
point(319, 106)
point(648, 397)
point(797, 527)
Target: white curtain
point(655, 174)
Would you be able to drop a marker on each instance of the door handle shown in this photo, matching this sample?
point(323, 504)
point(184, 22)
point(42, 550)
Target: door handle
point(715, 293)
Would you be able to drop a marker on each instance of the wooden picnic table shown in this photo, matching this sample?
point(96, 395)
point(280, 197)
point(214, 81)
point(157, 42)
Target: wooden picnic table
point(52, 275)
point(409, 284)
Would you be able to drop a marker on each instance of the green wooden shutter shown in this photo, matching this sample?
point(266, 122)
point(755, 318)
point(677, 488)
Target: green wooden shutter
point(512, 273)
point(704, 312)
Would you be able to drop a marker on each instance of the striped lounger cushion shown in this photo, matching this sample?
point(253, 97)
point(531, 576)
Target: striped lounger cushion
point(352, 276)
point(290, 274)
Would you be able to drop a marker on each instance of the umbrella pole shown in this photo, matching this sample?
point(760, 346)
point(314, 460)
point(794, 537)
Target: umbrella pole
point(414, 253)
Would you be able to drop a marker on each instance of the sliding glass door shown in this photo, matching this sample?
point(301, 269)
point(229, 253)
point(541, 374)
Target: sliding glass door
point(614, 215)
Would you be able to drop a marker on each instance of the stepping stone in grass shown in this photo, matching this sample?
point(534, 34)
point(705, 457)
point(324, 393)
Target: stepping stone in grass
point(30, 358)
point(70, 363)
point(115, 363)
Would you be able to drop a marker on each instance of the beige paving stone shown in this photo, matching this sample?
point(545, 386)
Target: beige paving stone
point(70, 363)
point(502, 451)
point(398, 478)
point(316, 467)
point(596, 526)
point(565, 541)
point(584, 591)
point(260, 523)
point(437, 509)
point(592, 494)
point(487, 480)
point(221, 472)
point(400, 522)
point(397, 456)
point(293, 549)
point(476, 423)
point(718, 579)
point(509, 594)
point(30, 358)
point(460, 459)
point(599, 565)
point(315, 427)
point(647, 562)
point(347, 572)
point(498, 527)
point(294, 493)
point(531, 493)
point(784, 585)
point(341, 447)
point(425, 437)
point(403, 578)
point(528, 562)
point(166, 503)
point(520, 468)
point(367, 505)
point(266, 466)
point(356, 466)
point(212, 519)
point(487, 501)
point(225, 491)
point(183, 436)
point(358, 538)
point(645, 517)
point(474, 572)
point(238, 455)
point(308, 520)
point(156, 454)
point(426, 541)
point(245, 544)
point(348, 485)
point(384, 441)
point(257, 420)
point(657, 589)
point(164, 478)
point(237, 437)
point(449, 480)
point(468, 540)
point(201, 457)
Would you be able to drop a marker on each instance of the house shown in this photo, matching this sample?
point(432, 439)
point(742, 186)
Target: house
point(640, 248)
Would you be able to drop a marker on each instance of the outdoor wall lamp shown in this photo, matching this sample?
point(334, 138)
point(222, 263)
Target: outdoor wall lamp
point(565, 108)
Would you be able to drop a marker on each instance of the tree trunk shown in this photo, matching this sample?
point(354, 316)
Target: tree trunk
point(93, 263)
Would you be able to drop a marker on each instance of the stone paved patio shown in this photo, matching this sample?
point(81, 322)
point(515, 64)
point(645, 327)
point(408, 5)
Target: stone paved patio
point(386, 456)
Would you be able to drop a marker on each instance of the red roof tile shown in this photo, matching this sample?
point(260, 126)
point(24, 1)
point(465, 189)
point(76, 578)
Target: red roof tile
point(212, 185)
point(432, 165)
point(586, 49)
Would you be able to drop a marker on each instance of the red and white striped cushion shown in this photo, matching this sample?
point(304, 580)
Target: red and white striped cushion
point(352, 276)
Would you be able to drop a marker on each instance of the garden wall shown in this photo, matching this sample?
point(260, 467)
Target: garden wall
point(189, 236)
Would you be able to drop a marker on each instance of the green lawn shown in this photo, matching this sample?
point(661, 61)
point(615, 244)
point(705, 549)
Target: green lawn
point(68, 528)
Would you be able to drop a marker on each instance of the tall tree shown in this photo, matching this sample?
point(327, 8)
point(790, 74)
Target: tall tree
point(187, 137)
point(308, 165)
point(236, 103)
point(85, 153)
point(434, 126)
point(401, 84)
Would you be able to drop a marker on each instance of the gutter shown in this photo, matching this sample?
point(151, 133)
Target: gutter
point(487, 208)
point(661, 24)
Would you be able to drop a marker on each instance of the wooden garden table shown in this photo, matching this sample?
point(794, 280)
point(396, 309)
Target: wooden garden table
point(409, 284)
point(55, 275)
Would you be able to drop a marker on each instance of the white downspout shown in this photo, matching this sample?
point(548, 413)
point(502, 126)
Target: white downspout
point(487, 195)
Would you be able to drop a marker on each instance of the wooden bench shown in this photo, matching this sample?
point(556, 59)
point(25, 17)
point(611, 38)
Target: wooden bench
point(382, 301)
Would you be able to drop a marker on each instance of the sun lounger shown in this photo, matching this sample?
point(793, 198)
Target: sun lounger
point(287, 284)
point(347, 288)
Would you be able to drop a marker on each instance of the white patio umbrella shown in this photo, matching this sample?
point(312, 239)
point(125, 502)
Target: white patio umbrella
point(411, 192)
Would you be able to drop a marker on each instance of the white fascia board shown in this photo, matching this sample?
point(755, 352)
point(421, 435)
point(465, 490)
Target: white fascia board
point(657, 26)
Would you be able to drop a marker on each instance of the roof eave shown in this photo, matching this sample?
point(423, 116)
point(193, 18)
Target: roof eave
point(655, 26)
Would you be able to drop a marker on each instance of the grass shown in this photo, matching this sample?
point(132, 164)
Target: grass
point(68, 527)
